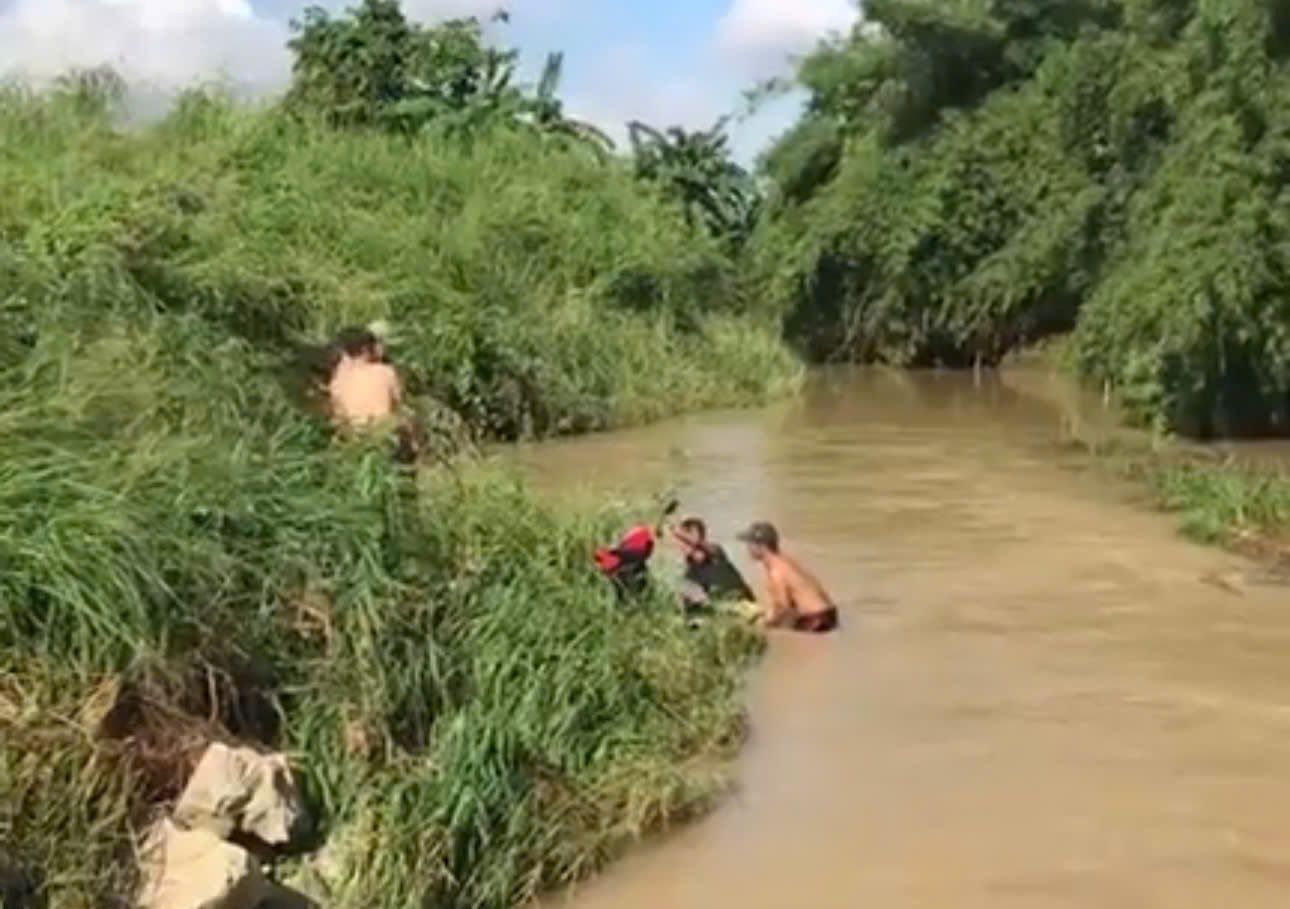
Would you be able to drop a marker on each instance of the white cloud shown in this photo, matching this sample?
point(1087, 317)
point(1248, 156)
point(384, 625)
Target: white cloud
point(617, 86)
point(159, 43)
point(752, 40)
point(620, 86)
point(162, 45)
point(759, 36)
point(166, 44)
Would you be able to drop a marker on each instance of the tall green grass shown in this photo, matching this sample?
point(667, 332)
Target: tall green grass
point(532, 287)
point(473, 716)
point(185, 553)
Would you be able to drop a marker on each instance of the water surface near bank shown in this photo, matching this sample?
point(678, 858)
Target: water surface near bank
point(1040, 697)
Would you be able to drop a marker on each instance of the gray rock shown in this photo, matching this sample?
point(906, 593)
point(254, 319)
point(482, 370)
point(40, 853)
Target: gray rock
point(195, 869)
point(238, 790)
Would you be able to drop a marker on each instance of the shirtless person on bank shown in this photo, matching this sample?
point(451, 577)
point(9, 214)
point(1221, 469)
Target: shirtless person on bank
point(797, 601)
point(364, 393)
point(364, 390)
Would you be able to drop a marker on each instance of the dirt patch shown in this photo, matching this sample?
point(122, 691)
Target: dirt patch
point(160, 724)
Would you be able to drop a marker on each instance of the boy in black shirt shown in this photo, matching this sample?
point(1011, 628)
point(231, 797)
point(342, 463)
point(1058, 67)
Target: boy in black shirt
point(710, 575)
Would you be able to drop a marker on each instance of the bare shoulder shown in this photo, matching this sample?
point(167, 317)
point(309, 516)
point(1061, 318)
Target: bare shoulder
point(793, 567)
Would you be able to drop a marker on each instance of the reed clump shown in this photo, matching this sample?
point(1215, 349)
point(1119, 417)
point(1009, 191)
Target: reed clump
point(1245, 507)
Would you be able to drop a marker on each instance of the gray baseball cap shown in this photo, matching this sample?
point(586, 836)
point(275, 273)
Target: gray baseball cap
point(762, 533)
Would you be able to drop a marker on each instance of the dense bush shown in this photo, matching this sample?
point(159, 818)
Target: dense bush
point(974, 175)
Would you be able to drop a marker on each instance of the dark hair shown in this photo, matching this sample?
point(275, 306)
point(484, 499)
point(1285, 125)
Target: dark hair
point(762, 534)
point(357, 341)
point(696, 526)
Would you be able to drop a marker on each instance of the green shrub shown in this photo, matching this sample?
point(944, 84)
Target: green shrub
point(187, 555)
point(473, 716)
point(1221, 504)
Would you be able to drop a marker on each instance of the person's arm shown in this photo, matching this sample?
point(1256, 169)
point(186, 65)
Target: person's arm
point(396, 389)
point(683, 542)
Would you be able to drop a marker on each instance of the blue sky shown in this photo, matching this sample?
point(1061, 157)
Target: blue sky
point(666, 61)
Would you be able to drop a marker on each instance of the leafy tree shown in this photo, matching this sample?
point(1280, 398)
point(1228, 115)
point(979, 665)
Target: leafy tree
point(546, 110)
point(99, 90)
point(970, 175)
point(372, 67)
point(352, 69)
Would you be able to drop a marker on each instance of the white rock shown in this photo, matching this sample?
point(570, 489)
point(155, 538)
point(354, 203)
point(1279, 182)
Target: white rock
point(195, 869)
point(240, 790)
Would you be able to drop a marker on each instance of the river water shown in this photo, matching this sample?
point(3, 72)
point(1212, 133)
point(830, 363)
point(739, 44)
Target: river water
point(1042, 697)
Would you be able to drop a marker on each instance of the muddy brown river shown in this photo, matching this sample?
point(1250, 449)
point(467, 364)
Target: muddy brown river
point(1042, 696)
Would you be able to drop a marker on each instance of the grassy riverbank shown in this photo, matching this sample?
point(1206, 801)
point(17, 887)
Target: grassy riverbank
point(533, 288)
point(1241, 506)
point(185, 554)
point(472, 717)
point(1235, 499)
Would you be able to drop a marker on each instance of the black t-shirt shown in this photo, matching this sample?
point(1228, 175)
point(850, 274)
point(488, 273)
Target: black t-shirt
point(717, 575)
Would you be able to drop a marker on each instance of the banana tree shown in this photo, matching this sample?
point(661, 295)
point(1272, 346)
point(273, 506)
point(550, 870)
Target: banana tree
point(547, 110)
point(696, 169)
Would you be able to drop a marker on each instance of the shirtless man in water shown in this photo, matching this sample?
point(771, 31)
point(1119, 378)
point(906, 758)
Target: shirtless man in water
point(797, 600)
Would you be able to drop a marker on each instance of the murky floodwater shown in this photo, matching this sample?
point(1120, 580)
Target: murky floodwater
point(1041, 696)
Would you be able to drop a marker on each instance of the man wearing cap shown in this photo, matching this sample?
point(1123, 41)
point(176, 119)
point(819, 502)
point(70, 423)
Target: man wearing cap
point(796, 599)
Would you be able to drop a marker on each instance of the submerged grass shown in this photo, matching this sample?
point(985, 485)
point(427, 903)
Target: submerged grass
point(1223, 501)
point(186, 554)
point(1243, 507)
point(1238, 501)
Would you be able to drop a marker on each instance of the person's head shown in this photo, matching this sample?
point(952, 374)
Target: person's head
point(762, 539)
point(694, 530)
point(693, 533)
point(361, 344)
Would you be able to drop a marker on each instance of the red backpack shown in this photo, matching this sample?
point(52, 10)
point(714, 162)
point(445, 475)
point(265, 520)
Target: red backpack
point(634, 546)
